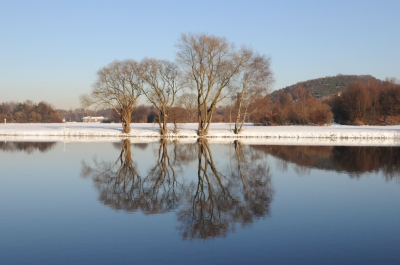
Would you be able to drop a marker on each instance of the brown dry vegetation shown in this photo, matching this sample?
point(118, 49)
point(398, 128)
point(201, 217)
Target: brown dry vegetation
point(29, 112)
point(376, 103)
point(285, 108)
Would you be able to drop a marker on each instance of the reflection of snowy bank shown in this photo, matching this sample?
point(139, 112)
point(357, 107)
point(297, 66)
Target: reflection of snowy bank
point(226, 140)
point(309, 141)
point(219, 132)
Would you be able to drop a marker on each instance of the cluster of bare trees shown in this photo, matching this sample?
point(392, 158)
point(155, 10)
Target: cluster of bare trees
point(209, 66)
point(28, 112)
point(373, 103)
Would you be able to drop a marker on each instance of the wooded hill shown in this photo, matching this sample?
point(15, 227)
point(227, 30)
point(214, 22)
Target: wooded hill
point(350, 100)
point(327, 86)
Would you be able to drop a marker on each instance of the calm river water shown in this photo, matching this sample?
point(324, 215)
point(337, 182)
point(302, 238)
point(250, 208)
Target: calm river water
point(198, 203)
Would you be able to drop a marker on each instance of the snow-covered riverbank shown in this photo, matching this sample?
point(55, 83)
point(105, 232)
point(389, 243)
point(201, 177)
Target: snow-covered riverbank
point(219, 132)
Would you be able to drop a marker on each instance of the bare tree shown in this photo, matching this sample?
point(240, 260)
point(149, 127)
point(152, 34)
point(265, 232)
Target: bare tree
point(209, 64)
point(118, 86)
point(162, 83)
point(252, 82)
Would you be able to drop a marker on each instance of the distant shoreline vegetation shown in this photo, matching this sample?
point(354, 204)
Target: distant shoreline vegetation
point(28, 112)
point(347, 100)
point(344, 99)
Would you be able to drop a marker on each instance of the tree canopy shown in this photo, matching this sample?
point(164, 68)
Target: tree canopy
point(118, 86)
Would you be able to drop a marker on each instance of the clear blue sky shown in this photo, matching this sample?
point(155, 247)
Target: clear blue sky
point(51, 50)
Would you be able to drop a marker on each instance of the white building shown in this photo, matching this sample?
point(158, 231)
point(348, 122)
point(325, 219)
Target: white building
point(93, 119)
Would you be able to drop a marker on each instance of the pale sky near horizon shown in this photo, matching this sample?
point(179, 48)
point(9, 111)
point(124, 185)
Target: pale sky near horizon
point(51, 50)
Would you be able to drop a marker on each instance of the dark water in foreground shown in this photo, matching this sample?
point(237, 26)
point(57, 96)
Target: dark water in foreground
point(198, 203)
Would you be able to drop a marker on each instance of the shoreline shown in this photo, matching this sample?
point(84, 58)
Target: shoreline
point(219, 133)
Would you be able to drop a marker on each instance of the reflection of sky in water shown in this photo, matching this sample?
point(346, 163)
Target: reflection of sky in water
point(49, 214)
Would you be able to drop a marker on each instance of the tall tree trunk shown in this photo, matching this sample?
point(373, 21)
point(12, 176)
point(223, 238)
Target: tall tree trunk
point(199, 117)
point(126, 115)
point(239, 122)
point(162, 121)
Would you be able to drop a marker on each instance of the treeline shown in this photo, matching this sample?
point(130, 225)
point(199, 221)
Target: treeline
point(29, 112)
point(376, 103)
point(327, 86)
point(372, 103)
point(297, 107)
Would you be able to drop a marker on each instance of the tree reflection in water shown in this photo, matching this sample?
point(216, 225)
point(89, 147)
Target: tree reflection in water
point(220, 199)
point(355, 160)
point(207, 207)
point(358, 160)
point(118, 182)
point(27, 147)
point(256, 179)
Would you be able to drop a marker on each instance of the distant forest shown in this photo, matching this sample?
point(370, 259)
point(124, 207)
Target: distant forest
point(350, 100)
point(344, 99)
point(325, 87)
point(28, 112)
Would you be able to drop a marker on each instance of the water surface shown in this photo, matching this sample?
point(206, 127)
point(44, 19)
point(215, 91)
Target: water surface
point(198, 203)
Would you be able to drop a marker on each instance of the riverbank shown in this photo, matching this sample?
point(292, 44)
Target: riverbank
point(219, 132)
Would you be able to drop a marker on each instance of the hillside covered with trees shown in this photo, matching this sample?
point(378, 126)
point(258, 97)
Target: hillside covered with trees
point(359, 103)
point(327, 86)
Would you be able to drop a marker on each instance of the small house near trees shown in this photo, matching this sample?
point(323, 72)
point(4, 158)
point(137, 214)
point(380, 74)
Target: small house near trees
point(90, 119)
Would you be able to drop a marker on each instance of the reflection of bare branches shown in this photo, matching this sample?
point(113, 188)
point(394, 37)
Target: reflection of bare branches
point(208, 203)
point(121, 187)
point(184, 153)
point(207, 207)
point(27, 147)
point(256, 180)
point(119, 184)
point(164, 192)
point(142, 146)
point(215, 203)
point(302, 171)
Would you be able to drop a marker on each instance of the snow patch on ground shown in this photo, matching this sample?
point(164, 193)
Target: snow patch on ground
point(219, 132)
